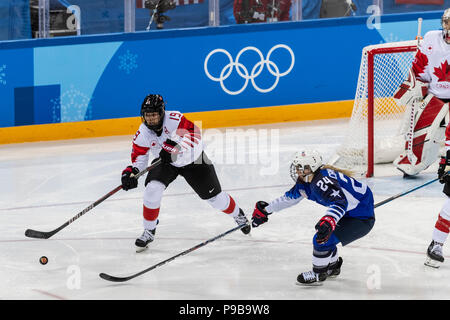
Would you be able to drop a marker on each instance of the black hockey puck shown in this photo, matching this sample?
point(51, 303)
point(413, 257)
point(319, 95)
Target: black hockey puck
point(43, 260)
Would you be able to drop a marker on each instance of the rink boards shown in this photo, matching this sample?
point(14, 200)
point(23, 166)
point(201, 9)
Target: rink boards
point(89, 86)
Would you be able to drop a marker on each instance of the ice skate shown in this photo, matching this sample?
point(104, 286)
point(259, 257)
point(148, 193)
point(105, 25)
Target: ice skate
point(241, 219)
point(434, 255)
point(334, 269)
point(311, 278)
point(146, 237)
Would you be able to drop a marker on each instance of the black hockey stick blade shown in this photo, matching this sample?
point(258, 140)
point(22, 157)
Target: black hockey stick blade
point(123, 279)
point(30, 233)
point(45, 235)
point(113, 278)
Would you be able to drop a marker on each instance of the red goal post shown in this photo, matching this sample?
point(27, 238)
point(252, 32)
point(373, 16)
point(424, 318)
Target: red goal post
point(374, 129)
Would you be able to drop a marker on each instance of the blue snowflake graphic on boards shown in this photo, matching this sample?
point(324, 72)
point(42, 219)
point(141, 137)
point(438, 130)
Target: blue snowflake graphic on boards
point(73, 105)
point(128, 62)
point(3, 74)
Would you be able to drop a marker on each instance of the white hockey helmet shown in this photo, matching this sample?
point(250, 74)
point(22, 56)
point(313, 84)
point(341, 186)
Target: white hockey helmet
point(305, 159)
point(445, 22)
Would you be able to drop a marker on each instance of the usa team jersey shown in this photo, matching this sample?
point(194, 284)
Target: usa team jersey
point(431, 64)
point(176, 128)
point(342, 195)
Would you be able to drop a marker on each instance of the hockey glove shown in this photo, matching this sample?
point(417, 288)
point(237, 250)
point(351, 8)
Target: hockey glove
point(169, 151)
point(260, 214)
point(444, 178)
point(129, 180)
point(325, 228)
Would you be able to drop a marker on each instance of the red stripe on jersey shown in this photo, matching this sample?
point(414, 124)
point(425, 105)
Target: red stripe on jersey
point(442, 224)
point(419, 63)
point(231, 206)
point(447, 135)
point(137, 151)
point(151, 214)
point(189, 129)
point(429, 113)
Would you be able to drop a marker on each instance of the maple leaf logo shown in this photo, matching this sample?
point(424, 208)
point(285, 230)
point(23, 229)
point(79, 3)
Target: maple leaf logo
point(443, 73)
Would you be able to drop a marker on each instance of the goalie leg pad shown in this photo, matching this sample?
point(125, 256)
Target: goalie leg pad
point(428, 133)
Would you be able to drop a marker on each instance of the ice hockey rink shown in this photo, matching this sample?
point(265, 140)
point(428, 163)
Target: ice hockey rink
point(44, 184)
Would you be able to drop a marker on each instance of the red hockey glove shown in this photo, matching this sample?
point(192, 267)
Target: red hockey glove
point(129, 180)
point(325, 228)
point(444, 178)
point(260, 214)
point(169, 151)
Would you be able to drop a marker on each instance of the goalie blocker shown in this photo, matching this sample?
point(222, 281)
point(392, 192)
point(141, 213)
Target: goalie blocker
point(424, 126)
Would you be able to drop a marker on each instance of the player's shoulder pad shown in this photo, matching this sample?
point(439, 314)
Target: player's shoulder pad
point(431, 37)
point(172, 119)
point(324, 175)
point(143, 135)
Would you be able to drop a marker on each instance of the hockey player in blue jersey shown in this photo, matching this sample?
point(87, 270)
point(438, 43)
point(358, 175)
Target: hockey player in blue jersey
point(349, 214)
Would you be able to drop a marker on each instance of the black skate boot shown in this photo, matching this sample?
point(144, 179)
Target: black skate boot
point(334, 269)
point(434, 255)
point(146, 237)
point(241, 219)
point(311, 278)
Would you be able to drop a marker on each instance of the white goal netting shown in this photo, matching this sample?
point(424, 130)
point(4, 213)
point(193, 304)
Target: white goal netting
point(391, 64)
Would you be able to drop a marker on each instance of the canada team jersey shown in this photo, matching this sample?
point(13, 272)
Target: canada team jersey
point(431, 64)
point(176, 128)
point(342, 195)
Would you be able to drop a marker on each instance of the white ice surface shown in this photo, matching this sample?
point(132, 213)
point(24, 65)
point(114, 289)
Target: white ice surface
point(45, 184)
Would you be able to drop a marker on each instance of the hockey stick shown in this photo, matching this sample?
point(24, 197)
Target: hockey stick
point(412, 116)
point(404, 193)
point(45, 235)
point(123, 279)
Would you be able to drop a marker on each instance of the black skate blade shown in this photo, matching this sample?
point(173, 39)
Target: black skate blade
point(313, 284)
point(141, 249)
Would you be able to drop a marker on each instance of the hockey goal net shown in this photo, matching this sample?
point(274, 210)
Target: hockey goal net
point(374, 132)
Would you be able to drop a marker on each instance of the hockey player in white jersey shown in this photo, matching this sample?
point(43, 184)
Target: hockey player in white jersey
point(169, 136)
point(426, 94)
point(349, 215)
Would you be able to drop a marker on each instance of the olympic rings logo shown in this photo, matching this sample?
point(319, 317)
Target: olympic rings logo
point(255, 72)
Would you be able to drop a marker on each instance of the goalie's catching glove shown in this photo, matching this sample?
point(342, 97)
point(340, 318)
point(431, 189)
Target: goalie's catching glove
point(260, 214)
point(444, 178)
point(129, 180)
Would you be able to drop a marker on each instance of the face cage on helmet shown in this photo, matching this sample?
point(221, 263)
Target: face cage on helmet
point(160, 111)
point(294, 174)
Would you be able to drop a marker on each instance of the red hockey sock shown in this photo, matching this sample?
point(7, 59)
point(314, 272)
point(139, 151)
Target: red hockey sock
point(151, 214)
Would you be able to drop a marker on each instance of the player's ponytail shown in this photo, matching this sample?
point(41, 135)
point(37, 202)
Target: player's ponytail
point(348, 173)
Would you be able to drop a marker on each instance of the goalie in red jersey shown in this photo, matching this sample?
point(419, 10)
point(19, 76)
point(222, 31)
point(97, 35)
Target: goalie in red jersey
point(171, 137)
